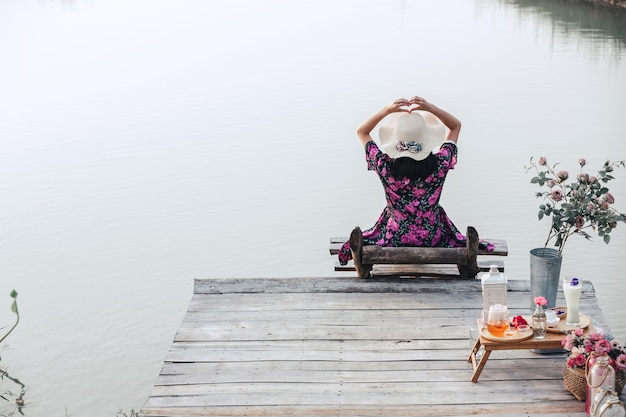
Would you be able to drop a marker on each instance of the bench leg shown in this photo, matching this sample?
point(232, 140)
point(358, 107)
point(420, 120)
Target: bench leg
point(356, 247)
point(473, 242)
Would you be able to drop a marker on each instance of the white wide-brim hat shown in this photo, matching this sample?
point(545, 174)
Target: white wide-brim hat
point(412, 135)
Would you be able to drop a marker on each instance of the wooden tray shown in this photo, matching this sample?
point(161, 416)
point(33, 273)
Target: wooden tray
point(561, 327)
point(517, 337)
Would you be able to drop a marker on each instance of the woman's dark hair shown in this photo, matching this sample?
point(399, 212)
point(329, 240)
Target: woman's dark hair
point(414, 170)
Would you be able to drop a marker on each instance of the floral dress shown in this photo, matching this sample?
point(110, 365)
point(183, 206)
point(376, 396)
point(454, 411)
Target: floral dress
point(413, 216)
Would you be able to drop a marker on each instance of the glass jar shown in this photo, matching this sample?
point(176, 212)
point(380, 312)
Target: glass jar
point(539, 323)
point(600, 374)
point(498, 320)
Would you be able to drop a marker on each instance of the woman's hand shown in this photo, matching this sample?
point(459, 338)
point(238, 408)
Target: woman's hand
point(451, 122)
point(421, 104)
point(398, 105)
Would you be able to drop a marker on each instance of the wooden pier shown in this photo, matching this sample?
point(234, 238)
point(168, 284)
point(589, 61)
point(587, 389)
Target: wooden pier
point(314, 347)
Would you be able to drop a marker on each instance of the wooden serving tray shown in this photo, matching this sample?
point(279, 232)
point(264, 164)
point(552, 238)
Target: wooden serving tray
point(561, 327)
point(516, 337)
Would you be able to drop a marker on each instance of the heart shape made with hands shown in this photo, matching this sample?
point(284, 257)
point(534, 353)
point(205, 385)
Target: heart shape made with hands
point(411, 107)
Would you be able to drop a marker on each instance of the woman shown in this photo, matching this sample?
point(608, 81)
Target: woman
point(412, 169)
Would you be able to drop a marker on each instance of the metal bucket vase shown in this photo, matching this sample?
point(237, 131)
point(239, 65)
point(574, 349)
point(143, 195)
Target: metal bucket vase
point(545, 270)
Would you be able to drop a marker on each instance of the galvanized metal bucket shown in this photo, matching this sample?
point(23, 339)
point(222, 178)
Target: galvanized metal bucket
point(545, 270)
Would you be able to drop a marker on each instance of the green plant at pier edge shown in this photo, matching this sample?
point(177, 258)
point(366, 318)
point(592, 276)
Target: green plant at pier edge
point(17, 313)
point(576, 206)
point(11, 396)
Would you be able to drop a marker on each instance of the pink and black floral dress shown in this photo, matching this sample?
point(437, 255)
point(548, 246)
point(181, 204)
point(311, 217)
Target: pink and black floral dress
point(413, 216)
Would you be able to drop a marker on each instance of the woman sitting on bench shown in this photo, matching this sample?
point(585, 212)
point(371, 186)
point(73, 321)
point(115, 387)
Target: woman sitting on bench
point(412, 167)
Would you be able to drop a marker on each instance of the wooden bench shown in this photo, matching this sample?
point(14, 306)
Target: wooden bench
point(464, 262)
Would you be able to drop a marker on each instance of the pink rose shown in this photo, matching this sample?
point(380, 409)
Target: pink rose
point(562, 175)
point(557, 195)
point(579, 332)
point(583, 178)
point(582, 162)
point(541, 301)
point(604, 205)
point(593, 180)
point(543, 160)
point(609, 198)
point(580, 360)
point(579, 222)
point(603, 346)
point(550, 183)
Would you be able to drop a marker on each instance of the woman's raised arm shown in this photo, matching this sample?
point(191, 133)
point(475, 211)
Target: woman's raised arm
point(364, 131)
point(446, 118)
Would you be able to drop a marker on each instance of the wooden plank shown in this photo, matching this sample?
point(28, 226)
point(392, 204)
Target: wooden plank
point(501, 248)
point(407, 255)
point(493, 410)
point(421, 270)
point(330, 285)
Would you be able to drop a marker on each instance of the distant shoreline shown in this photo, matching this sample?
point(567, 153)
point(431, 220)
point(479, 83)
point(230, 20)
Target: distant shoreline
point(608, 4)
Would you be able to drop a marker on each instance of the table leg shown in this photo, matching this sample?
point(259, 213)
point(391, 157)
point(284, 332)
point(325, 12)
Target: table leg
point(478, 368)
point(475, 348)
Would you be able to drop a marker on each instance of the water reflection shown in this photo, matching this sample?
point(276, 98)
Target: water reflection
point(12, 391)
point(602, 29)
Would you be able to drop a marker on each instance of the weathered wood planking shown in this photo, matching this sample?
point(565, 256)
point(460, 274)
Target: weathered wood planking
point(500, 246)
point(348, 347)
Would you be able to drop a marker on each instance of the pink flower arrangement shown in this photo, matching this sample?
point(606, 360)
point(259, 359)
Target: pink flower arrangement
point(581, 347)
point(541, 301)
point(573, 207)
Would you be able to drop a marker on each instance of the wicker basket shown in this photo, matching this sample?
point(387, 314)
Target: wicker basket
point(575, 382)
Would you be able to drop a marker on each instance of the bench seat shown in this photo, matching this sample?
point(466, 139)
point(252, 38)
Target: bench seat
point(500, 246)
point(464, 262)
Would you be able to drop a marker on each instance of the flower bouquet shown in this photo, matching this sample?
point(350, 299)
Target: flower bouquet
point(578, 205)
point(582, 350)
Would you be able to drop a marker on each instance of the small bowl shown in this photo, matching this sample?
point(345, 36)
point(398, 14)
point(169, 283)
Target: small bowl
point(561, 312)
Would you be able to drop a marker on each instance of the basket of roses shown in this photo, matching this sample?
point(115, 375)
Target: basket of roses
point(582, 351)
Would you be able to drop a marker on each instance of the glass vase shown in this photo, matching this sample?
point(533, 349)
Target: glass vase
point(539, 323)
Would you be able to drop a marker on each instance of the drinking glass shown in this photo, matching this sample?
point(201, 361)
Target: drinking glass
point(572, 288)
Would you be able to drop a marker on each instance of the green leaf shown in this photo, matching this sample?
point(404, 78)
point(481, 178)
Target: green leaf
point(607, 238)
point(14, 304)
point(540, 215)
point(534, 180)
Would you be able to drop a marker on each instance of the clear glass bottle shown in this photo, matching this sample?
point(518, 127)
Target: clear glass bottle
point(539, 323)
point(600, 374)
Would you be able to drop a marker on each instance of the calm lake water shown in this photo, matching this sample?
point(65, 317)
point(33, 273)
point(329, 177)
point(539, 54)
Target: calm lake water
point(144, 144)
